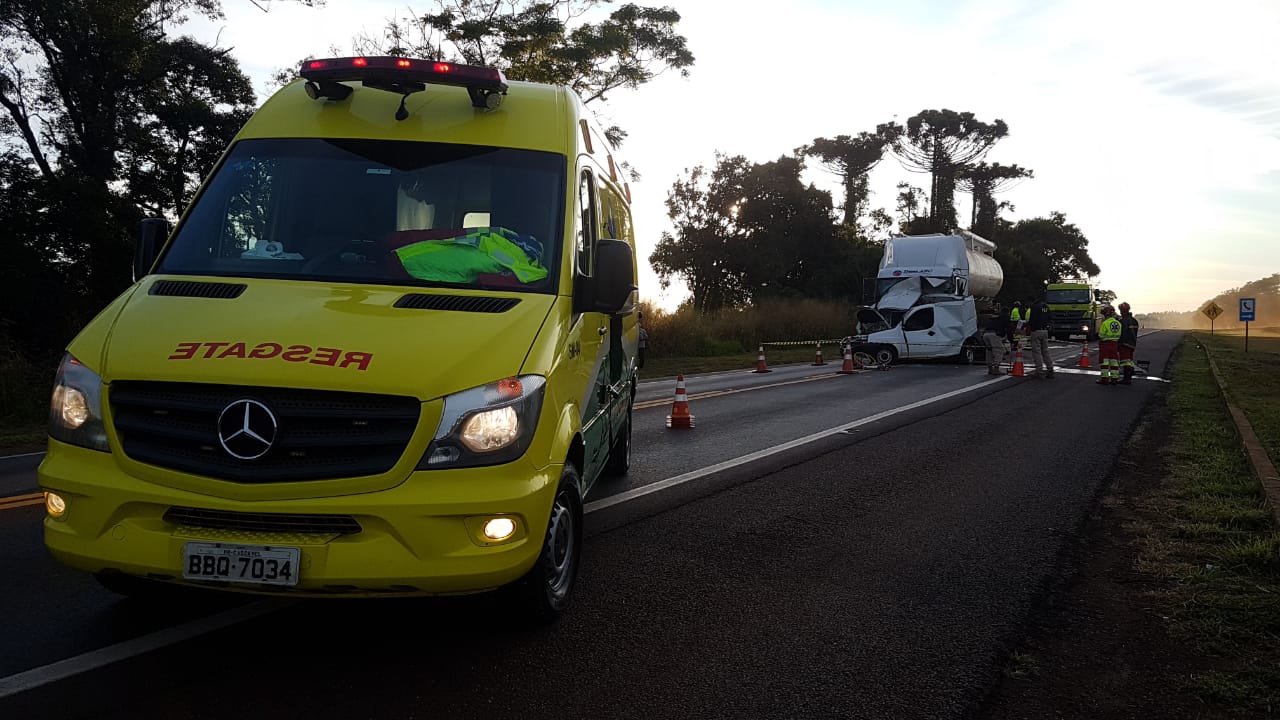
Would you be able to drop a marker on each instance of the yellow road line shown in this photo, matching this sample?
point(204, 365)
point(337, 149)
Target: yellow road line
point(17, 501)
point(734, 391)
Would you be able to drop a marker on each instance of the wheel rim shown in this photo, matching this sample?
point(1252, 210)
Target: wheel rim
point(561, 553)
point(884, 357)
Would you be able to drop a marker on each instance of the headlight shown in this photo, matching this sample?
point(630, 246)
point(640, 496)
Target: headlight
point(486, 425)
point(75, 413)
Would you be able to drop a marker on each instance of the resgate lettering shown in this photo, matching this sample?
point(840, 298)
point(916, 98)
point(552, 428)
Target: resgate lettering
point(333, 357)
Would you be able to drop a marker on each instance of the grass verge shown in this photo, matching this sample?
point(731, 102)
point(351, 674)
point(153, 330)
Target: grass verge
point(15, 440)
point(1209, 534)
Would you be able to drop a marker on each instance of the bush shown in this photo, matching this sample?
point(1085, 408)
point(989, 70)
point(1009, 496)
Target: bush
point(24, 388)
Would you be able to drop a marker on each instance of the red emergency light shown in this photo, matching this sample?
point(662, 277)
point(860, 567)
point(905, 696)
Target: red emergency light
point(402, 75)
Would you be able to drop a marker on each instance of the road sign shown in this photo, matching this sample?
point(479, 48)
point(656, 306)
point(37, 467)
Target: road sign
point(1212, 311)
point(1248, 308)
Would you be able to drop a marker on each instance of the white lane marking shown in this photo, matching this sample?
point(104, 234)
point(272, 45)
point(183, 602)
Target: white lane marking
point(72, 666)
point(634, 493)
point(21, 455)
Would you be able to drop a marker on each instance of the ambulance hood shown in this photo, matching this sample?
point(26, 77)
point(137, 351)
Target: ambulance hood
point(325, 336)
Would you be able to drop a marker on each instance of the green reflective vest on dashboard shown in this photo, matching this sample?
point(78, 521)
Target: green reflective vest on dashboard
point(1109, 330)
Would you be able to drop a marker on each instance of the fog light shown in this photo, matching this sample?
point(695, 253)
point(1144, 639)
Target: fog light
point(55, 505)
point(499, 528)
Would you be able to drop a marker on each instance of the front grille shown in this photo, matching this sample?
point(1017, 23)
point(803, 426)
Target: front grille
point(319, 434)
point(262, 522)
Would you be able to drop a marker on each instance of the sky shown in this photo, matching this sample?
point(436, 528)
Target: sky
point(1153, 125)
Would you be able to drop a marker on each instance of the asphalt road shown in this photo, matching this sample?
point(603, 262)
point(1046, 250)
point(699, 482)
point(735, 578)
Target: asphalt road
point(874, 572)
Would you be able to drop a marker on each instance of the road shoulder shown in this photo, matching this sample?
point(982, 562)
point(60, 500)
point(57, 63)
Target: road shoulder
point(1157, 612)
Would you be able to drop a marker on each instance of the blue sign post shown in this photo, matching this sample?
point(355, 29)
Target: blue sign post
point(1248, 312)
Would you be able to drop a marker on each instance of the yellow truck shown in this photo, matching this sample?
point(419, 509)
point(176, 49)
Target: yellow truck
point(387, 350)
point(1073, 309)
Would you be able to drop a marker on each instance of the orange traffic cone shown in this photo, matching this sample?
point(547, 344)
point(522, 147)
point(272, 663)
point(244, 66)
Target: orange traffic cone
point(761, 367)
point(1018, 369)
point(847, 367)
point(680, 417)
point(817, 360)
point(1084, 354)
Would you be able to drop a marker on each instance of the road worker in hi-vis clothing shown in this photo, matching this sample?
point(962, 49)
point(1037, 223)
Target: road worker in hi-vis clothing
point(1109, 346)
point(1128, 342)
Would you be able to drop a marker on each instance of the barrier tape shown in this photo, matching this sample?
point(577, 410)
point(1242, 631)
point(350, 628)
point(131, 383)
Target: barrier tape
point(804, 342)
point(1026, 343)
point(810, 343)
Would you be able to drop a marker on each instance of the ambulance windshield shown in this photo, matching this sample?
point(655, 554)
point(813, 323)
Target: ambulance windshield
point(376, 211)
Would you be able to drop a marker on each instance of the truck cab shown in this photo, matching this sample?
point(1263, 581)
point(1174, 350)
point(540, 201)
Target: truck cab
point(925, 298)
point(1073, 310)
point(910, 325)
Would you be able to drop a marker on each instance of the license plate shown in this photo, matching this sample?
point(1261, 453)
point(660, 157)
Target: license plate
point(258, 564)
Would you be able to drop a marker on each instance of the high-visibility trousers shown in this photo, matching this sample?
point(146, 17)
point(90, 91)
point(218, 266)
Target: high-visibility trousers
point(1109, 359)
point(1126, 356)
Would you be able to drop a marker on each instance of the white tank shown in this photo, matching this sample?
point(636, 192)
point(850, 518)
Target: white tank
point(945, 256)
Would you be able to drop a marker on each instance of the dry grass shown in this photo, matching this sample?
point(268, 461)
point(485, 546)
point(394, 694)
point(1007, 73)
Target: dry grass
point(689, 334)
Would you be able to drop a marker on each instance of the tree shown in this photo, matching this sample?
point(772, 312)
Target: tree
point(706, 248)
point(1105, 296)
point(984, 180)
point(32, 290)
point(852, 158)
point(547, 41)
point(118, 119)
point(746, 232)
point(791, 245)
point(1038, 251)
point(192, 111)
point(942, 143)
point(910, 200)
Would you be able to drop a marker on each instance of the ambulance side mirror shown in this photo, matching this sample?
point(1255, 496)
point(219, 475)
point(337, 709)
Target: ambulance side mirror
point(615, 277)
point(151, 236)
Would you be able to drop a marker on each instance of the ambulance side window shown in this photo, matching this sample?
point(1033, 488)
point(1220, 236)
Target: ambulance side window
point(617, 222)
point(586, 239)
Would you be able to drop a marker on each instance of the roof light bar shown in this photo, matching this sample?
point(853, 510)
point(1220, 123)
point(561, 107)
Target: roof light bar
point(407, 75)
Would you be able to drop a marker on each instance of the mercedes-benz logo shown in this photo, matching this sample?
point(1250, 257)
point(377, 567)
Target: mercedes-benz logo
point(247, 429)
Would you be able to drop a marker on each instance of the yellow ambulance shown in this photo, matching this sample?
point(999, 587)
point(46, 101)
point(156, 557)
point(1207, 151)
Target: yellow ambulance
point(388, 350)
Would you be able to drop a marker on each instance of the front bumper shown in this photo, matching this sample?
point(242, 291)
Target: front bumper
point(420, 537)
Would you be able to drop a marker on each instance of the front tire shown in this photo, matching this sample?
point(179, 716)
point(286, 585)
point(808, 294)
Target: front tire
point(543, 593)
point(885, 355)
point(968, 352)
